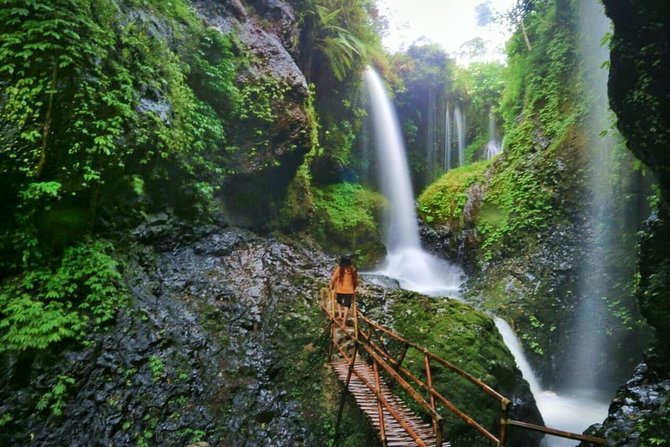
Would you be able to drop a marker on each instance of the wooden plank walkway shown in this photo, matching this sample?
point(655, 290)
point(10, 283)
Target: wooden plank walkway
point(396, 435)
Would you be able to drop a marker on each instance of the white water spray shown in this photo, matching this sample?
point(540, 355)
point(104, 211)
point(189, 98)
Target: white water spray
point(562, 411)
point(447, 138)
point(406, 261)
point(493, 147)
point(459, 117)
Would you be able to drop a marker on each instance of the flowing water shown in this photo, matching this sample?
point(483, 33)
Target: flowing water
point(454, 121)
point(417, 270)
point(447, 138)
point(406, 261)
point(568, 412)
point(494, 146)
point(459, 117)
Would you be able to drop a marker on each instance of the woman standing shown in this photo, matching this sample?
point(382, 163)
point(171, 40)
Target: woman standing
point(344, 282)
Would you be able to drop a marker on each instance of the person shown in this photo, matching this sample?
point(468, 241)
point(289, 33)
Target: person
point(343, 283)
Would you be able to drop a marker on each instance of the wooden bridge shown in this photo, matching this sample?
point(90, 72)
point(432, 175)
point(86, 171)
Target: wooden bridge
point(368, 370)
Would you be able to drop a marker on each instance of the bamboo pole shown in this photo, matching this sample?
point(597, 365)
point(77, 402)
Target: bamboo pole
point(429, 382)
point(346, 388)
point(449, 365)
point(331, 327)
point(355, 311)
point(380, 409)
point(555, 432)
point(447, 403)
point(392, 411)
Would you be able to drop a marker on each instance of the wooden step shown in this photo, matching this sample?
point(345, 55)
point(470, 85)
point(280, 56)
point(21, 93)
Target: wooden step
point(396, 435)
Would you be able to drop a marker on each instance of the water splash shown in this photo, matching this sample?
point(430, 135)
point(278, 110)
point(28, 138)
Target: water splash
point(493, 147)
point(407, 262)
point(568, 412)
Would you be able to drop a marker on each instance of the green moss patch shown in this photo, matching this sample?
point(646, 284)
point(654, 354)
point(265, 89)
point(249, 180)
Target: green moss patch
point(443, 202)
point(346, 220)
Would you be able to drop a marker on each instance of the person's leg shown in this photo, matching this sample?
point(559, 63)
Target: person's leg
point(346, 313)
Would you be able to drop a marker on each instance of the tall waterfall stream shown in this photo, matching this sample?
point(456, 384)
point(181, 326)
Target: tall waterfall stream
point(407, 261)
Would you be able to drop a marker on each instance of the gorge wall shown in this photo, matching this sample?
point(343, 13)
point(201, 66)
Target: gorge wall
point(135, 310)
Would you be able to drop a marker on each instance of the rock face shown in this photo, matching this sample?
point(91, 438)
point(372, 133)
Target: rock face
point(269, 154)
point(195, 357)
point(223, 343)
point(640, 408)
point(640, 95)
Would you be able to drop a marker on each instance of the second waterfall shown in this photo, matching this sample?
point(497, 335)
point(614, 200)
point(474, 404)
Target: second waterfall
point(406, 261)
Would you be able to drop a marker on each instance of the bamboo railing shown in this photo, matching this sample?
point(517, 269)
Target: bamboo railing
point(368, 339)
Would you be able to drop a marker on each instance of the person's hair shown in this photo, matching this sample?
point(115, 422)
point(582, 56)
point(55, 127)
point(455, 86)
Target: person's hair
point(345, 264)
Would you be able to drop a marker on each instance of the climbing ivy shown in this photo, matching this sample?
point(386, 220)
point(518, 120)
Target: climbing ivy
point(444, 200)
point(106, 112)
point(46, 305)
point(347, 213)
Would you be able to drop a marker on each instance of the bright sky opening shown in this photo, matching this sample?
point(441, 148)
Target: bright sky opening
point(448, 23)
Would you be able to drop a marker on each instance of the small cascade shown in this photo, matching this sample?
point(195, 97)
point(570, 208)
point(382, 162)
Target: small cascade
point(459, 117)
point(564, 412)
point(431, 140)
point(447, 138)
point(406, 261)
point(493, 147)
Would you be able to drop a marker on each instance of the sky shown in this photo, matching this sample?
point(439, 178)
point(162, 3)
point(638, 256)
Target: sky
point(449, 23)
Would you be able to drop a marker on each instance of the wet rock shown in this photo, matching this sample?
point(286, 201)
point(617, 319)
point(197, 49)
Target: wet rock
point(197, 359)
point(380, 280)
point(222, 244)
point(266, 161)
point(640, 404)
point(199, 444)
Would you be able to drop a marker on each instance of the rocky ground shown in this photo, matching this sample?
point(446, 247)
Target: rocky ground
point(640, 410)
point(193, 357)
point(222, 342)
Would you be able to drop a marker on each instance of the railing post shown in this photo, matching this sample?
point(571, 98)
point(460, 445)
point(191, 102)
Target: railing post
point(504, 415)
point(346, 388)
point(332, 303)
point(380, 409)
point(332, 341)
point(429, 382)
point(355, 306)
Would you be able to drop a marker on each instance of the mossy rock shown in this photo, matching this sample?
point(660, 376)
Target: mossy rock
point(469, 339)
point(444, 201)
point(345, 220)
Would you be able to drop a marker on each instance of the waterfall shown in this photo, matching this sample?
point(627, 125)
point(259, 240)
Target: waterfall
point(590, 333)
point(406, 260)
point(493, 147)
point(431, 141)
point(459, 117)
point(447, 138)
point(565, 412)
point(600, 341)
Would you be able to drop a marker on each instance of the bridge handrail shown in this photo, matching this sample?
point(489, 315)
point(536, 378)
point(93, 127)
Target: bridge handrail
point(440, 360)
point(436, 394)
point(378, 353)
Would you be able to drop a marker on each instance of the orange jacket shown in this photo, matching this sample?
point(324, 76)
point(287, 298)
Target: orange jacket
point(348, 283)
